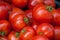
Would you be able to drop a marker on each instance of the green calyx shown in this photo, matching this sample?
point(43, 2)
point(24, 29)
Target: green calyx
point(2, 33)
point(40, 33)
point(26, 20)
point(49, 8)
point(17, 34)
point(23, 31)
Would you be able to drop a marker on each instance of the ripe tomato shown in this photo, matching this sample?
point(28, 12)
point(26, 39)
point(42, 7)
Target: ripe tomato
point(58, 9)
point(27, 33)
point(15, 11)
point(50, 3)
point(20, 3)
point(42, 14)
point(4, 27)
point(4, 9)
point(3, 38)
point(45, 29)
point(13, 36)
point(57, 33)
point(33, 3)
point(28, 13)
point(56, 17)
point(19, 22)
point(39, 38)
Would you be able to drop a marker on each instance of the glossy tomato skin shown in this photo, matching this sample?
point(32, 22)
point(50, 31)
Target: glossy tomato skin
point(57, 33)
point(20, 3)
point(50, 3)
point(4, 28)
point(15, 11)
point(27, 33)
point(19, 22)
point(13, 36)
point(41, 14)
point(45, 29)
point(56, 17)
point(33, 3)
point(39, 38)
point(5, 8)
point(3, 38)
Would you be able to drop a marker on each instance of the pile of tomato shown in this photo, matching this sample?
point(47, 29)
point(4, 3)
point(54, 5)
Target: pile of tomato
point(29, 20)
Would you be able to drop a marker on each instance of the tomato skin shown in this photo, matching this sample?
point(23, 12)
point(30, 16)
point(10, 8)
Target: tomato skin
point(5, 8)
point(27, 33)
point(33, 3)
point(15, 11)
point(57, 33)
point(45, 29)
point(4, 28)
point(39, 38)
point(41, 14)
point(20, 3)
point(3, 38)
point(19, 22)
point(13, 36)
point(56, 17)
point(49, 3)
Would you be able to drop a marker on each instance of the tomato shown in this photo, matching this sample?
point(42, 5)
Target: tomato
point(57, 33)
point(33, 3)
point(42, 14)
point(19, 22)
point(45, 29)
point(20, 3)
point(27, 33)
point(4, 27)
point(4, 10)
point(56, 17)
point(3, 38)
point(50, 3)
point(9, 1)
point(13, 36)
point(15, 11)
point(39, 38)
point(58, 9)
point(28, 13)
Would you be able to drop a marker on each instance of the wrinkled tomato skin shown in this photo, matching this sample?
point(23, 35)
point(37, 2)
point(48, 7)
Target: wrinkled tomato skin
point(45, 29)
point(27, 33)
point(41, 14)
point(3, 38)
point(13, 36)
point(20, 3)
point(33, 3)
point(19, 22)
point(39, 38)
point(49, 3)
point(57, 33)
point(5, 27)
point(4, 10)
point(14, 12)
point(56, 17)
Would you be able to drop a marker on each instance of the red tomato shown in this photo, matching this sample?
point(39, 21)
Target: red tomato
point(4, 27)
point(15, 11)
point(9, 1)
point(57, 33)
point(49, 3)
point(56, 17)
point(58, 9)
point(19, 22)
point(28, 13)
point(4, 9)
point(39, 38)
point(3, 38)
point(33, 3)
point(20, 3)
point(45, 29)
point(13, 36)
point(42, 14)
point(27, 33)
